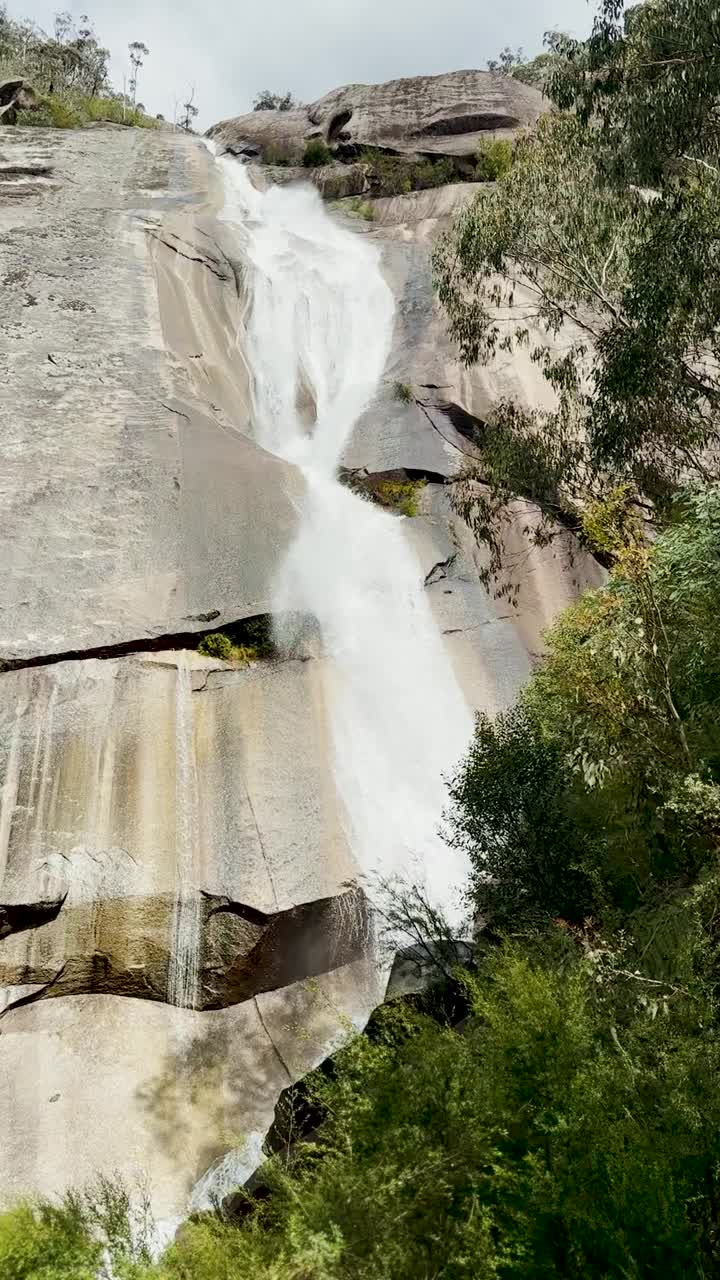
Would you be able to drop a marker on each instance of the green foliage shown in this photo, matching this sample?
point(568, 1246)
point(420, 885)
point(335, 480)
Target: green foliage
point(566, 1131)
point(359, 208)
point(535, 71)
point(494, 160)
point(49, 1242)
point(399, 495)
point(612, 288)
point(603, 788)
point(267, 101)
point(75, 111)
point(518, 814)
point(71, 1239)
point(317, 153)
point(649, 79)
point(393, 175)
point(219, 645)
point(249, 640)
point(71, 61)
point(68, 71)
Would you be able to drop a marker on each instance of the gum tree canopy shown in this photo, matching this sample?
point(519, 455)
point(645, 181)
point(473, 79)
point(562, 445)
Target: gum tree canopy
point(606, 231)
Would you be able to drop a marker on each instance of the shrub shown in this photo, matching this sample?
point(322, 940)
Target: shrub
point(248, 641)
point(217, 645)
point(394, 175)
point(221, 646)
point(317, 153)
point(360, 208)
point(399, 495)
point(73, 111)
point(47, 1241)
point(516, 814)
point(279, 154)
point(494, 160)
point(404, 392)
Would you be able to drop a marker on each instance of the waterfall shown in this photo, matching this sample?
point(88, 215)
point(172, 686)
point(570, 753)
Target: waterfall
point(318, 336)
point(185, 948)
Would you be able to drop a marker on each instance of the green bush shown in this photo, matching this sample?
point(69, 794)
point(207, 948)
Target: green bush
point(394, 175)
point(360, 208)
point(317, 153)
point(494, 160)
point(404, 392)
point(399, 495)
point(248, 643)
point(70, 1239)
point(47, 1242)
point(517, 811)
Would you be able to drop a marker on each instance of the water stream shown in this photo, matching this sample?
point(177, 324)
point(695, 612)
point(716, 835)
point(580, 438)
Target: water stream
point(318, 336)
point(185, 946)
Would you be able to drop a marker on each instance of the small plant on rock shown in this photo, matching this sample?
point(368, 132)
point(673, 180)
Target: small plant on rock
point(404, 392)
point(217, 645)
point(400, 495)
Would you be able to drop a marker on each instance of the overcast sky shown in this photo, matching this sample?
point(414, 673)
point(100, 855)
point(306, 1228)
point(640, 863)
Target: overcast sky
point(230, 49)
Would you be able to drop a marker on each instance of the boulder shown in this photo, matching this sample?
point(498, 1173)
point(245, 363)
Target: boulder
point(16, 95)
point(420, 115)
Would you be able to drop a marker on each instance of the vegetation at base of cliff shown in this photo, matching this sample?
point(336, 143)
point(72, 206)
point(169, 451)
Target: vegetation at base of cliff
point(599, 795)
point(612, 290)
point(404, 392)
point(73, 1238)
point(569, 1125)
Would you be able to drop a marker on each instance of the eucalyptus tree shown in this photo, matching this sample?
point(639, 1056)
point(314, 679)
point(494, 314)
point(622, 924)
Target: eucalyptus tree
point(138, 51)
point(599, 251)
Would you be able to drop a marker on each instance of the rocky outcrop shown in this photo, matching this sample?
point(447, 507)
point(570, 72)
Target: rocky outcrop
point(125, 946)
point(15, 95)
point(18, 917)
point(422, 115)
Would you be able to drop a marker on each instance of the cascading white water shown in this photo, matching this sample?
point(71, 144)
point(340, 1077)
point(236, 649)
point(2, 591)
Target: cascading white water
point(185, 946)
point(320, 327)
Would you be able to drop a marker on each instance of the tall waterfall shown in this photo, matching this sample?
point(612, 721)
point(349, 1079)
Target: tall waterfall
point(318, 333)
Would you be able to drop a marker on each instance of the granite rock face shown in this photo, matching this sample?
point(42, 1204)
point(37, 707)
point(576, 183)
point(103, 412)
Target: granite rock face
point(139, 780)
point(420, 115)
point(130, 504)
point(124, 947)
